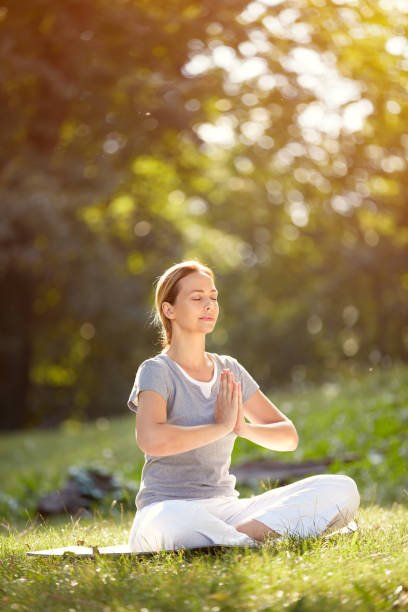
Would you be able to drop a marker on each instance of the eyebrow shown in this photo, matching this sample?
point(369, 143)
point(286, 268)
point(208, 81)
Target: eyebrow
point(201, 291)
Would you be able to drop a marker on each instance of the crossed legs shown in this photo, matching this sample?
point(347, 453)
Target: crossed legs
point(312, 506)
point(309, 507)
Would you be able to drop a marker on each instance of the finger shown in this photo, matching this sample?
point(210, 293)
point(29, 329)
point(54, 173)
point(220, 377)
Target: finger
point(240, 403)
point(221, 379)
point(235, 392)
point(234, 385)
point(230, 384)
point(223, 386)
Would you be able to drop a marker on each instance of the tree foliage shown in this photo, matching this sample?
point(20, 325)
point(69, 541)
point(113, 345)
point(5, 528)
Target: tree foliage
point(267, 139)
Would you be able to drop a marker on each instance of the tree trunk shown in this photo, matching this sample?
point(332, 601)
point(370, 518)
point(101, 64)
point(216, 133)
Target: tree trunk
point(15, 349)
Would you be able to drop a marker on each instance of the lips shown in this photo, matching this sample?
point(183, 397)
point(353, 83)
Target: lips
point(206, 319)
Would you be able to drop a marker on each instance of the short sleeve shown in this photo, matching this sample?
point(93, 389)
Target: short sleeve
point(248, 383)
point(149, 376)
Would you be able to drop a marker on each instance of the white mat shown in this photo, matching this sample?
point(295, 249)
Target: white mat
point(123, 549)
point(83, 551)
point(113, 551)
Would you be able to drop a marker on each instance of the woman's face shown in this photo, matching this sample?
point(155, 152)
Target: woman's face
point(196, 307)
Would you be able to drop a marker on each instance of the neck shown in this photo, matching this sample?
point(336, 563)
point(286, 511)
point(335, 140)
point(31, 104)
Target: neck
point(188, 351)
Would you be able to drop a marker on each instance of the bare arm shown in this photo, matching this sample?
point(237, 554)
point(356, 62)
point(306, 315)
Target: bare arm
point(269, 427)
point(158, 438)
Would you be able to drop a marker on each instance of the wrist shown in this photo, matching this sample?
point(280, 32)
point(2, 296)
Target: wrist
point(224, 428)
point(241, 430)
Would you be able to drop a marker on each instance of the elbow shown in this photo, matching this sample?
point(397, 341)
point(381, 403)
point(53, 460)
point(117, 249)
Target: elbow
point(150, 446)
point(145, 444)
point(139, 440)
point(151, 449)
point(295, 442)
point(293, 438)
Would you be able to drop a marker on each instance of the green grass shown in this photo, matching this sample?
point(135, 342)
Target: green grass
point(360, 571)
point(367, 415)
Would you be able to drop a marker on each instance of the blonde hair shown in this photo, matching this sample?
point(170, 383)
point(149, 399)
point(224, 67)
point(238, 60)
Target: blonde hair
point(167, 289)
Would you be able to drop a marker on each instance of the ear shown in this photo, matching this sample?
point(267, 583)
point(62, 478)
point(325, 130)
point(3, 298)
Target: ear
point(167, 309)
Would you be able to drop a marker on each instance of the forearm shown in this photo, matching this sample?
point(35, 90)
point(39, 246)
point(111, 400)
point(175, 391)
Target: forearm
point(165, 439)
point(280, 436)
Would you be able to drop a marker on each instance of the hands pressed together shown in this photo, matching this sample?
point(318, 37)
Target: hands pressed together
point(228, 409)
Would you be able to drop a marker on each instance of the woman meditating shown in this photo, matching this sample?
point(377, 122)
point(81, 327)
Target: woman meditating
point(190, 406)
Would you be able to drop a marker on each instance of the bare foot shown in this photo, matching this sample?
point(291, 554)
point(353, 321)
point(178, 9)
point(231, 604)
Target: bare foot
point(257, 530)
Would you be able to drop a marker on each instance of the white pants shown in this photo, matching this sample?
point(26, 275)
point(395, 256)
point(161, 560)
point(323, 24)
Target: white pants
point(305, 508)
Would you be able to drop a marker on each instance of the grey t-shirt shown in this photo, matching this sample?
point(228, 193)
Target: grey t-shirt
point(202, 472)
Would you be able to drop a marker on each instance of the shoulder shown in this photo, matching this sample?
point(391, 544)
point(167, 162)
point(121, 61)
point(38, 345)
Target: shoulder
point(226, 361)
point(156, 365)
point(154, 373)
point(157, 360)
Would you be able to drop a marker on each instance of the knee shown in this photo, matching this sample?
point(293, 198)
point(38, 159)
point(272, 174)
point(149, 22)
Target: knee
point(341, 488)
point(174, 516)
point(346, 493)
point(164, 526)
point(351, 493)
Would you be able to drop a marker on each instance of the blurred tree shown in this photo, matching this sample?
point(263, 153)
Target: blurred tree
point(85, 89)
point(318, 169)
point(269, 137)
